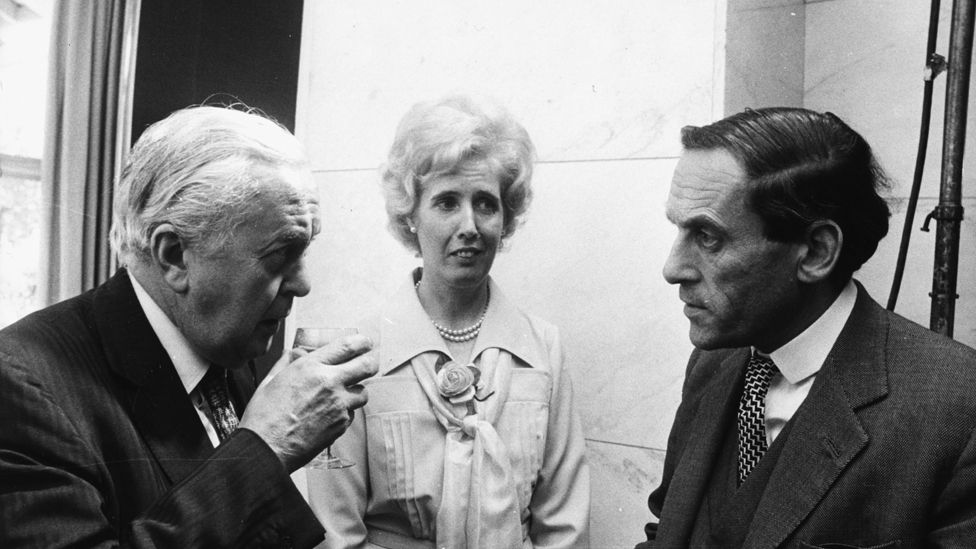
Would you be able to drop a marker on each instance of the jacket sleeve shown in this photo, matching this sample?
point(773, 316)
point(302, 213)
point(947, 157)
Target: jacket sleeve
point(560, 504)
point(241, 496)
point(56, 489)
point(954, 513)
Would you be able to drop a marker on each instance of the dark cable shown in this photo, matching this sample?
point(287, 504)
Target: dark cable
point(934, 64)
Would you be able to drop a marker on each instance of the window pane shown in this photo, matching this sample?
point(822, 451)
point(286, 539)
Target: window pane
point(20, 243)
point(24, 37)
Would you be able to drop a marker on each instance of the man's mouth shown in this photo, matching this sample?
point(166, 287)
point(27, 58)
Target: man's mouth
point(275, 319)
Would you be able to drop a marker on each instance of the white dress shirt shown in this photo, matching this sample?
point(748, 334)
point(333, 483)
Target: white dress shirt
point(800, 359)
point(190, 366)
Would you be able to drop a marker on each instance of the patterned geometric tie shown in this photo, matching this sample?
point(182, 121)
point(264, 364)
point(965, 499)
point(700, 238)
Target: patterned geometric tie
point(213, 387)
point(752, 414)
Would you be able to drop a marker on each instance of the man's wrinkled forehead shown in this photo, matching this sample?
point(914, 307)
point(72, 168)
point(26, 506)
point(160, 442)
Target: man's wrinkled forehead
point(291, 188)
point(703, 182)
point(293, 183)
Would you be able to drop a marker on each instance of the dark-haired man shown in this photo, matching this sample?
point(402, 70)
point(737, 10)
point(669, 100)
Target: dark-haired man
point(810, 416)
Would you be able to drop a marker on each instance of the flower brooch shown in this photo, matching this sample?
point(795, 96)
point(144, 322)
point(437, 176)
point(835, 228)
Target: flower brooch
point(457, 383)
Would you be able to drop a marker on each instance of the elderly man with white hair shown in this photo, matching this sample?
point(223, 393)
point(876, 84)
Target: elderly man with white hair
point(132, 413)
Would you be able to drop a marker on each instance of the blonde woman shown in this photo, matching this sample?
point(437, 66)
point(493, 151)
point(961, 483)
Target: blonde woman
point(469, 438)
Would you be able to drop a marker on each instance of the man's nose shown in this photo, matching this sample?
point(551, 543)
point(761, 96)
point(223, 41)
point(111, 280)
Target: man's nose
point(679, 267)
point(297, 281)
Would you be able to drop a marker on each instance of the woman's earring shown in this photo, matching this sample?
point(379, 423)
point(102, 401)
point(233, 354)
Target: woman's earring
point(413, 230)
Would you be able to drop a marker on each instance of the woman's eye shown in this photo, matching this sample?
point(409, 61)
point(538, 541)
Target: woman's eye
point(446, 204)
point(489, 206)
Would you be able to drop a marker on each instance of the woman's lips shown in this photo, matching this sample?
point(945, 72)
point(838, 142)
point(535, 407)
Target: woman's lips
point(466, 253)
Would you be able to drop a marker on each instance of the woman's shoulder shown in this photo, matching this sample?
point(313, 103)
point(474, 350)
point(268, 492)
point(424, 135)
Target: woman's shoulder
point(538, 325)
point(542, 326)
point(532, 338)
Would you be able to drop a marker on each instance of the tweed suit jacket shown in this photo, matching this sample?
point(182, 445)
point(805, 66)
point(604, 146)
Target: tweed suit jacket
point(880, 454)
point(100, 446)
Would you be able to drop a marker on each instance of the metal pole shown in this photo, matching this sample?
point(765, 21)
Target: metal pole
point(948, 213)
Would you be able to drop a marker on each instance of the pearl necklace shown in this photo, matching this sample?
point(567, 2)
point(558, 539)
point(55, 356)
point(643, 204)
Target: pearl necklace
point(463, 334)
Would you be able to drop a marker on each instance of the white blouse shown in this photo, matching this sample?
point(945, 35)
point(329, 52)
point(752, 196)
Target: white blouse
point(427, 472)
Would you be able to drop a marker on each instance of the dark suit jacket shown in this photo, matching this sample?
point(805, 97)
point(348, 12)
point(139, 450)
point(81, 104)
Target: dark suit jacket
point(880, 454)
point(101, 446)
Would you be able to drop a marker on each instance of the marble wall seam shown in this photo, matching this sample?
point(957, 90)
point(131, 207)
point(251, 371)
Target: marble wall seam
point(344, 170)
point(623, 444)
point(758, 5)
point(537, 163)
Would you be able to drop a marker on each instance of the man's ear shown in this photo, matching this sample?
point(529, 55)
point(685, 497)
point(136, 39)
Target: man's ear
point(169, 256)
point(820, 252)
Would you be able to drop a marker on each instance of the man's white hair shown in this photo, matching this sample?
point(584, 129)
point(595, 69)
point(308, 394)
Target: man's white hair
point(195, 170)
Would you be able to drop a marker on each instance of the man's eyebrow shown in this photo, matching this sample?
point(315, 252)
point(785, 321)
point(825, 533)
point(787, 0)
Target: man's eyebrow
point(698, 220)
point(669, 215)
point(289, 237)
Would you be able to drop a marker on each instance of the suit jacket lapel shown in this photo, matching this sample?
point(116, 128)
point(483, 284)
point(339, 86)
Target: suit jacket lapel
point(149, 388)
point(704, 441)
point(826, 433)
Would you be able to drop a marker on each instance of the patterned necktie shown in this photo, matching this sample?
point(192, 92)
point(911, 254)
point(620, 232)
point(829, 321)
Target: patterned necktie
point(752, 414)
point(213, 387)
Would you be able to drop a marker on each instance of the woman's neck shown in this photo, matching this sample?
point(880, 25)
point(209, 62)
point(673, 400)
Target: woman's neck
point(451, 306)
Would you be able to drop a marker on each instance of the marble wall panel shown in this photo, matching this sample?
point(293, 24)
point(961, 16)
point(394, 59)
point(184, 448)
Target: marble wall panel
point(622, 478)
point(589, 259)
point(864, 62)
point(743, 5)
point(764, 54)
point(587, 81)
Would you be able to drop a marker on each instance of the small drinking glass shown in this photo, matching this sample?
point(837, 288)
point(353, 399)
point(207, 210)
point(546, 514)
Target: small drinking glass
point(310, 339)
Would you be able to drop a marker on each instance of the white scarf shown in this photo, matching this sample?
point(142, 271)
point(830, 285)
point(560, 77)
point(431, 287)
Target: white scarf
point(479, 508)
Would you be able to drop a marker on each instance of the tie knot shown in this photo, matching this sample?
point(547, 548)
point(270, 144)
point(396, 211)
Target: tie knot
point(761, 366)
point(215, 376)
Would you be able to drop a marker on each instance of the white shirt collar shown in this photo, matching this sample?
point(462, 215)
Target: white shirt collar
point(190, 366)
point(803, 356)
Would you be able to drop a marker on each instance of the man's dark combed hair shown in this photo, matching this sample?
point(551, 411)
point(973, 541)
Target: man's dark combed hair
point(804, 166)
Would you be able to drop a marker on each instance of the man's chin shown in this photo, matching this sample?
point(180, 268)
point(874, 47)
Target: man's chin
point(707, 341)
point(256, 347)
point(705, 346)
point(266, 327)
